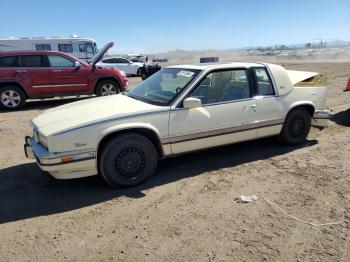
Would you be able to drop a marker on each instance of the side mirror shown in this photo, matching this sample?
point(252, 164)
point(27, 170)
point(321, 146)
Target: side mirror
point(77, 64)
point(192, 102)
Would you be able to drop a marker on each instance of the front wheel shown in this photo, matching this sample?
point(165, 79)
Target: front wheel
point(296, 127)
point(11, 98)
point(107, 88)
point(128, 160)
point(139, 71)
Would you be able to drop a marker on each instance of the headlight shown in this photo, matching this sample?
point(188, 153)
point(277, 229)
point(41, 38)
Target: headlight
point(42, 140)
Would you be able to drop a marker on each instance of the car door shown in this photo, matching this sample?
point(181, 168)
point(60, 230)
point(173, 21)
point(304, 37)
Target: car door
point(228, 113)
point(111, 63)
point(65, 77)
point(270, 105)
point(125, 66)
point(34, 72)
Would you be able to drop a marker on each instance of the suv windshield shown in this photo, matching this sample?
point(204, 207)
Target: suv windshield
point(164, 86)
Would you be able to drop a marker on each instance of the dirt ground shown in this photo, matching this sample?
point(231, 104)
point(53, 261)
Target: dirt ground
point(189, 210)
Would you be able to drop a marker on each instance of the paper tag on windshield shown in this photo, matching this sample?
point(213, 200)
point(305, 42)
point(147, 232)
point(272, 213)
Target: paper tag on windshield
point(185, 73)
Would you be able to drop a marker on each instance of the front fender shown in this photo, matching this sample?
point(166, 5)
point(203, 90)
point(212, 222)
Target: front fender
point(123, 127)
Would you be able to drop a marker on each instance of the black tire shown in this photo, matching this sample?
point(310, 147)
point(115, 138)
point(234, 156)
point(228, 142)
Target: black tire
point(143, 76)
point(109, 84)
point(128, 160)
point(15, 102)
point(139, 71)
point(296, 127)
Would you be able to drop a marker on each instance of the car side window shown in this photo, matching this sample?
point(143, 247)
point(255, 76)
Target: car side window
point(66, 48)
point(108, 61)
point(31, 61)
point(223, 86)
point(60, 61)
point(8, 61)
point(265, 87)
point(123, 61)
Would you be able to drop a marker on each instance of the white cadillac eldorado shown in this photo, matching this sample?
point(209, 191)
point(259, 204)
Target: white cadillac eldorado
point(179, 109)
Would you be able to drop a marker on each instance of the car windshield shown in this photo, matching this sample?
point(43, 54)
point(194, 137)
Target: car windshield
point(164, 86)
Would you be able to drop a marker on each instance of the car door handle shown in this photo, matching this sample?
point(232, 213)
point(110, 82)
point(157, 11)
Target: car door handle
point(253, 107)
point(56, 70)
point(21, 71)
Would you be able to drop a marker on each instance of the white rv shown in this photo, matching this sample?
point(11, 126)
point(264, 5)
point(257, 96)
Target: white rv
point(82, 48)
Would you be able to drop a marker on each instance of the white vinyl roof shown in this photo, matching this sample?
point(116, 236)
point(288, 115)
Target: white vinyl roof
point(205, 66)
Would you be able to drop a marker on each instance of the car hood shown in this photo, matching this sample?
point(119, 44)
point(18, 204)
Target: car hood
point(89, 111)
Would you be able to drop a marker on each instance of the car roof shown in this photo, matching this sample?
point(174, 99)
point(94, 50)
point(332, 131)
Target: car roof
point(205, 66)
point(111, 57)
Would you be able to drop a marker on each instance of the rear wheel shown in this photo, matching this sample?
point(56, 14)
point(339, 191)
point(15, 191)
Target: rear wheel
point(139, 71)
point(143, 75)
point(107, 88)
point(128, 160)
point(11, 98)
point(296, 127)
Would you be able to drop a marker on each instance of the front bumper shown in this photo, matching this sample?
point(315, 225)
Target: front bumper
point(64, 165)
point(320, 118)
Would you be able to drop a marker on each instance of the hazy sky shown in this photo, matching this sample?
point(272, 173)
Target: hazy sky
point(155, 26)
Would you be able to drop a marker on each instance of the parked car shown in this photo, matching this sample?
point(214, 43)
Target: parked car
point(149, 69)
point(137, 58)
point(123, 64)
point(179, 109)
point(44, 74)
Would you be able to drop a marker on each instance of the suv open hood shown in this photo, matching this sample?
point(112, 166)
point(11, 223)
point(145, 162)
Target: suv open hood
point(100, 54)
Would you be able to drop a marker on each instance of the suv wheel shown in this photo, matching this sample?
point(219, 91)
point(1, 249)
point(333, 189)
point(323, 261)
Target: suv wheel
point(107, 88)
point(128, 160)
point(296, 127)
point(139, 71)
point(11, 98)
point(143, 76)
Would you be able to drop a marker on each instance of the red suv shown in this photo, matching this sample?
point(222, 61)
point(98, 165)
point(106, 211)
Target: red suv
point(31, 75)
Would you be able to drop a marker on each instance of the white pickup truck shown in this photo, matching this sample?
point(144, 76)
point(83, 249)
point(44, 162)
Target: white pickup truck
point(179, 109)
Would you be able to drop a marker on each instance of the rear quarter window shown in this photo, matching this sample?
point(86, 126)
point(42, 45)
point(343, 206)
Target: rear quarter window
point(8, 61)
point(265, 87)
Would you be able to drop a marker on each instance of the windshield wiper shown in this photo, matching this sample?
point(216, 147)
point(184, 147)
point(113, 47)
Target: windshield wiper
point(155, 102)
point(133, 96)
point(146, 100)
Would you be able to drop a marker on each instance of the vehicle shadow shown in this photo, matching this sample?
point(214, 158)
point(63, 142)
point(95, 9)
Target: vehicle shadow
point(25, 192)
point(342, 118)
point(50, 103)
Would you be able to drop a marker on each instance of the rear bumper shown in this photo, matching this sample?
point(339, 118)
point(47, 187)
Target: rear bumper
point(320, 118)
point(64, 165)
point(323, 114)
